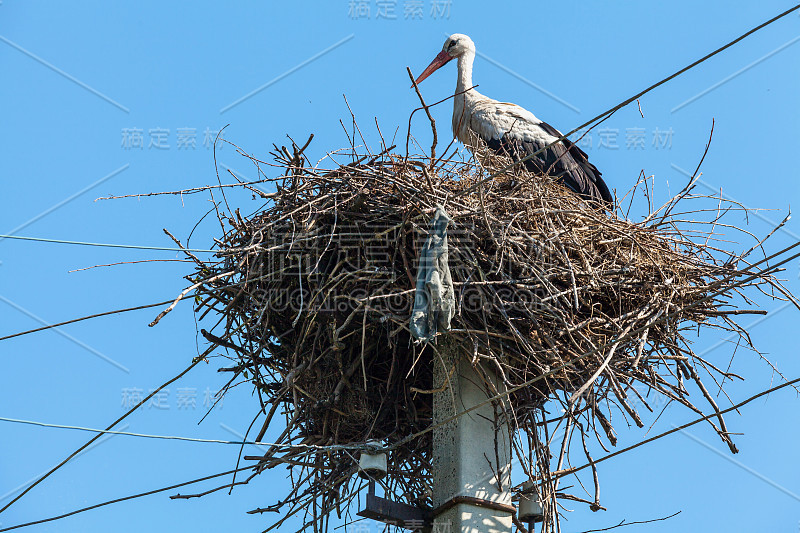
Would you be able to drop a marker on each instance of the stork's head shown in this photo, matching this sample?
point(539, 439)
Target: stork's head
point(455, 46)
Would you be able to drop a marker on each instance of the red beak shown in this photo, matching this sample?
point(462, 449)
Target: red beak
point(438, 62)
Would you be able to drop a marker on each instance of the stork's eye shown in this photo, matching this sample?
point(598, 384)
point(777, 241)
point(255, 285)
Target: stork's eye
point(451, 45)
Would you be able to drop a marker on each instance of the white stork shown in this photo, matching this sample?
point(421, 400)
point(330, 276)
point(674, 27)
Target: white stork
point(513, 130)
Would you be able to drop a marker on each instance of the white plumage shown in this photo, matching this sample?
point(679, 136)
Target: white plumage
point(511, 129)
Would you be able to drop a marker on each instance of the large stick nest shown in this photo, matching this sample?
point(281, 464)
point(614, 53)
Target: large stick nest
point(314, 295)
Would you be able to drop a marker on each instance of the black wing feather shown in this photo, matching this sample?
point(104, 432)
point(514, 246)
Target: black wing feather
point(563, 160)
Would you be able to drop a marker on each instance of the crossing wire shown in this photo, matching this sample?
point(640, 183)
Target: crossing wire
point(560, 474)
point(105, 245)
point(604, 115)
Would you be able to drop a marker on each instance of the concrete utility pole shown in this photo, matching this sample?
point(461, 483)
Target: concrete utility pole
point(471, 455)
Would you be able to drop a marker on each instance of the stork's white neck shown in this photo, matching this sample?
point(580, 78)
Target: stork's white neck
point(462, 101)
point(465, 71)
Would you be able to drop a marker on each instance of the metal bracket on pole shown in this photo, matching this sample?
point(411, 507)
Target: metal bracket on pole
point(477, 502)
point(394, 513)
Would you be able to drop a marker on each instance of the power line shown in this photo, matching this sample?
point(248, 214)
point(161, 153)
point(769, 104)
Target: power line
point(117, 500)
point(107, 313)
point(97, 315)
point(569, 471)
point(201, 357)
point(188, 439)
point(559, 474)
point(125, 310)
point(619, 106)
point(106, 245)
point(132, 434)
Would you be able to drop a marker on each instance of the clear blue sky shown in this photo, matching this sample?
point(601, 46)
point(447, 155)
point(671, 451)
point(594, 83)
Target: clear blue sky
point(80, 78)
